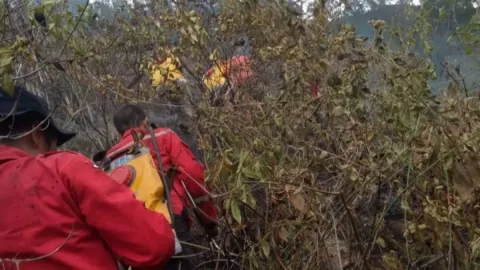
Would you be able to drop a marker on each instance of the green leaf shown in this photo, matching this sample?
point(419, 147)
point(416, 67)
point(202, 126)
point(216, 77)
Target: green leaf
point(254, 260)
point(250, 173)
point(226, 204)
point(381, 242)
point(283, 234)
point(40, 8)
point(278, 120)
point(265, 248)
point(50, 2)
point(243, 156)
point(442, 13)
point(236, 211)
point(5, 61)
point(251, 201)
point(469, 50)
point(353, 175)
point(392, 261)
point(8, 85)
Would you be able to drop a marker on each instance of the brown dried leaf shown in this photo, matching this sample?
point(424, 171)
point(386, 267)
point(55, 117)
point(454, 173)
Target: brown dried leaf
point(466, 177)
point(392, 261)
point(298, 202)
point(283, 234)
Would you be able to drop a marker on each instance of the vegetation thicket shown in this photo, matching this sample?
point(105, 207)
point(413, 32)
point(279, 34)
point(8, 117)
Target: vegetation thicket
point(376, 172)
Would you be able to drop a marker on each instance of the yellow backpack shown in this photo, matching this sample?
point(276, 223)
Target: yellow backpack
point(215, 76)
point(166, 71)
point(136, 169)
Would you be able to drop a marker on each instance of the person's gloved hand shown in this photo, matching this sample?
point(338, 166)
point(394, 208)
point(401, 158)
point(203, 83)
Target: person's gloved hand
point(211, 229)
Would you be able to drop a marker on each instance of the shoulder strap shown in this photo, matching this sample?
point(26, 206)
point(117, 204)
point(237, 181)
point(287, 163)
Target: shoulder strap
point(165, 180)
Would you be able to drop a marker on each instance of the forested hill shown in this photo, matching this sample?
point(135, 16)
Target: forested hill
point(444, 50)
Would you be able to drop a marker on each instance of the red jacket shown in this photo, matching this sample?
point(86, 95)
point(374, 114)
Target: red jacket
point(176, 154)
point(59, 212)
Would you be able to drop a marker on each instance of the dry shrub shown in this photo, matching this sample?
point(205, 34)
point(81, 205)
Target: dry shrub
point(374, 173)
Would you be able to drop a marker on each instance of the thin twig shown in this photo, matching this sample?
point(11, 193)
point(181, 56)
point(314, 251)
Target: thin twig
point(61, 51)
point(339, 254)
point(18, 261)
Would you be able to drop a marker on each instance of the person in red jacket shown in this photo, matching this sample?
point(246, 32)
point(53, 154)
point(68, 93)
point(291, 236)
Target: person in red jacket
point(59, 212)
point(185, 170)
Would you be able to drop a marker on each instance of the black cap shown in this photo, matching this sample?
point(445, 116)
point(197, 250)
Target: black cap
point(23, 102)
point(99, 156)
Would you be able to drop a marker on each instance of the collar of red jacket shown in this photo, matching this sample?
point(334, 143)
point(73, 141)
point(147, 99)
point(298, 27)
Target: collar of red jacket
point(128, 133)
point(9, 153)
